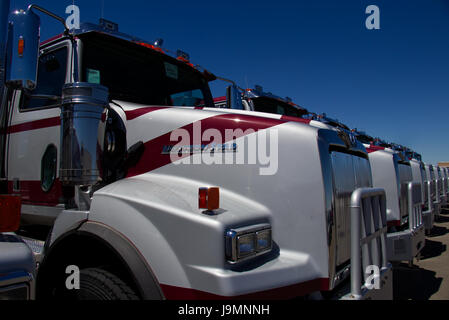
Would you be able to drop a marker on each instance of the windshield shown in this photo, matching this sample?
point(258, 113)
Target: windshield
point(138, 74)
point(364, 139)
point(268, 105)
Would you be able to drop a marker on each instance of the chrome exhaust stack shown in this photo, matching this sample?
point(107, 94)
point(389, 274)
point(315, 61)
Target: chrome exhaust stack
point(83, 123)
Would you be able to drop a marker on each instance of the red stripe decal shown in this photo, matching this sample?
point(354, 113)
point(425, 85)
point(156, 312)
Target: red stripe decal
point(288, 292)
point(295, 119)
point(31, 193)
point(372, 148)
point(220, 99)
point(153, 158)
point(52, 39)
point(34, 125)
point(130, 115)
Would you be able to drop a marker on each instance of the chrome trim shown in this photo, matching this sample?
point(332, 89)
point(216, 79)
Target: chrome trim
point(16, 277)
point(368, 234)
point(232, 235)
point(84, 108)
point(327, 140)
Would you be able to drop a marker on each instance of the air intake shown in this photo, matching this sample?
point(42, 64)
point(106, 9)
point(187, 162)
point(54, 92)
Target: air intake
point(83, 122)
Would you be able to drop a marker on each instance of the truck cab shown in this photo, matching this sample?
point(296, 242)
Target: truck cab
point(258, 100)
point(443, 186)
point(446, 174)
point(349, 166)
point(433, 187)
point(392, 171)
point(117, 153)
point(420, 176)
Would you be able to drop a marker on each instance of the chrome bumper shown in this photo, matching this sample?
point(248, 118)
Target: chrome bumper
point(405, 245)
point(384, 292)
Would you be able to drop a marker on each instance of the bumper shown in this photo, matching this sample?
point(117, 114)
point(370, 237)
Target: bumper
point(428, 220)
point(384, 290)
point(288, 276)
point(17, 286)
point(405, 245)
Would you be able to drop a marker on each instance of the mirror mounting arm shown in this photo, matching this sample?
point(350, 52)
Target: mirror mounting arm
point(51, 14)
point(66, 32)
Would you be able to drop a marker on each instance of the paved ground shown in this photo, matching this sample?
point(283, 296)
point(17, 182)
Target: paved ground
point(429, 277)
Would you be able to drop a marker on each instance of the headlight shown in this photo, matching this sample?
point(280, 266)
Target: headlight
point(246, 242)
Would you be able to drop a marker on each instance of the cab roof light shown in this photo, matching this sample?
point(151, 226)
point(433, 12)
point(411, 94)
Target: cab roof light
point(158, 43)
point(150, 46)
point(209, 198)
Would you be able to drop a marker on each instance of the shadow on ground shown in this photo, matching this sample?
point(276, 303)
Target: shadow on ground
point(438, 231)
point(414, 283)
point(432, 249)
point(442, 219)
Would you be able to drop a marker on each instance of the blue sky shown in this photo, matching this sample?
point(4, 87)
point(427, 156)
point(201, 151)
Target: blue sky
point(392, 82)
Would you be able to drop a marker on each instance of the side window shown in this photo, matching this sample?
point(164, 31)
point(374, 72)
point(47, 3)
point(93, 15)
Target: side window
point(48, 168)
point(50, 79)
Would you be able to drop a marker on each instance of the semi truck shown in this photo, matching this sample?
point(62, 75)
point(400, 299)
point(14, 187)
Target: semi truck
point(419, 175)
point(130, 175)
point(446, 177)
point(442, 186)
point(390, 170)
point(434, 192)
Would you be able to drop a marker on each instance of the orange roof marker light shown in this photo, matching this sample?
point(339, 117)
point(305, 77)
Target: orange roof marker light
point(21, 46)
point(150, 46)
point(209, 198)
point(9, 213)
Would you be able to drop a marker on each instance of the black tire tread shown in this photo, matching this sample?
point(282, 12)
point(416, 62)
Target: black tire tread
point(104, 285)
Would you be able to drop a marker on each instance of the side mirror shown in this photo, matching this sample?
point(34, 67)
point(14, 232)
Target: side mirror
point(233, 98)
point(23, 50)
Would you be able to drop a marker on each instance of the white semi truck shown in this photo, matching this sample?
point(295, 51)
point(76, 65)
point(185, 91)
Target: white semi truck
point(406, 236)
point(434, 195)
point(392, 171)
point(420, 176)
point(95, 145)
point(442, 186)
point(445, 183)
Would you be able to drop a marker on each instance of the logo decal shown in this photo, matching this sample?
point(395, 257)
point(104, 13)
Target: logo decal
point(195, 149)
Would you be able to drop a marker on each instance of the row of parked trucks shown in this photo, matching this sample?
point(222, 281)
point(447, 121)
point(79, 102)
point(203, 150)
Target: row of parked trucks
point(103, 138)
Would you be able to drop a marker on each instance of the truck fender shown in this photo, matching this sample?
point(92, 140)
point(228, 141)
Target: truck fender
point(140, 269)
point(122, 248)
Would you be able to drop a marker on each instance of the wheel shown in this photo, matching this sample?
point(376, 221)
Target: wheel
point(98, 284)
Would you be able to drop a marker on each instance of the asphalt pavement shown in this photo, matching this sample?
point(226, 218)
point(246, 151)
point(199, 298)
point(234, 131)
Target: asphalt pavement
point(428, 278)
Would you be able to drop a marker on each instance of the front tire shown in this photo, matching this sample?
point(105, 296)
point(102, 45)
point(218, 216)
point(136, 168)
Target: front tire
point(98, 284)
